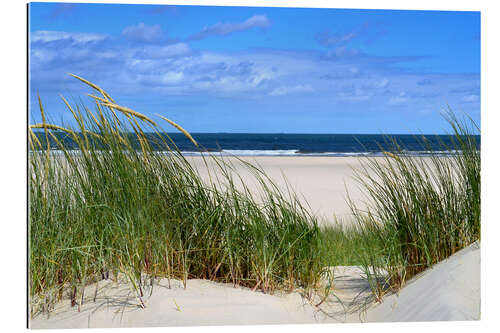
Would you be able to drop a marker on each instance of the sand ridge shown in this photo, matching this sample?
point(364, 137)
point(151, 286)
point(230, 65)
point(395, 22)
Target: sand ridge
point(448, 291)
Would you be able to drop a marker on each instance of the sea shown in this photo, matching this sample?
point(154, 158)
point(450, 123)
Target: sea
point(279, 144)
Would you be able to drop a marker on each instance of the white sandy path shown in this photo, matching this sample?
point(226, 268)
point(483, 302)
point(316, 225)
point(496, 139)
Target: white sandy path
point(202, 303)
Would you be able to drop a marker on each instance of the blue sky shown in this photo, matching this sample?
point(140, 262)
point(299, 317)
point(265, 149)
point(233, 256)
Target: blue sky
point(257, 69)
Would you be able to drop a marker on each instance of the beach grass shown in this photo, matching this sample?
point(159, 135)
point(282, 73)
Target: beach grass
point(109, 210)
point(423, 209)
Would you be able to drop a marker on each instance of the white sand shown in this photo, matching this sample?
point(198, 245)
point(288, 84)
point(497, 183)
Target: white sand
point(321, 182)
point(448, 291)
point(201, 303)
point(451, 290)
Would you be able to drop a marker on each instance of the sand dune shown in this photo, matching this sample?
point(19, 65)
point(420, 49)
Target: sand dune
point(451, 290)
point(201, 303)
point(448, 291)
point(204, 303)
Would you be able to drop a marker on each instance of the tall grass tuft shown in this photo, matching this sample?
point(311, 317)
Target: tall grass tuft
point(422, 209)
point(111, 209)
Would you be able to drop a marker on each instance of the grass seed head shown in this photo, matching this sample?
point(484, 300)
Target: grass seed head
point(186, 133)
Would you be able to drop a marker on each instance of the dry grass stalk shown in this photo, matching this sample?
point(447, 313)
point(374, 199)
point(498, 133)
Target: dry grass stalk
point(94, 86)
point(180, 129)
point(78, 118)
point(52, 127)
point(106, 101)
point(391, 155)
point(126, 110)
point(32, 135)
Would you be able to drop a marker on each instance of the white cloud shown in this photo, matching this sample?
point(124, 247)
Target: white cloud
point(76, 37)
point(342, 52)
point(261, 75)
point(143, 33)
point(352, 93)
point(260, 21)
point(328, 39)
point(224, 29)
point(398, 100)
point(40, 56)
point(377, 84)
point(174, 50)
point(170, 78)
point(383, 83)
point(470, 98)
point(290, 90)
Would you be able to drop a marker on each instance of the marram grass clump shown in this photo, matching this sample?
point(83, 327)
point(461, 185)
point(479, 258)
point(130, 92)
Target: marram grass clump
point(422, 209)
point(107, 209)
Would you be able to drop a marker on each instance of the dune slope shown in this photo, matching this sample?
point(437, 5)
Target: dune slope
point(451, 290)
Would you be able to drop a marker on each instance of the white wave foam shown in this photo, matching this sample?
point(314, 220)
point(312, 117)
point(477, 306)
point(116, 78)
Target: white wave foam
point(293, 152)
point(260, 152)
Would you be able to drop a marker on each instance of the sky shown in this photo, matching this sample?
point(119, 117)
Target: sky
point(258, 69)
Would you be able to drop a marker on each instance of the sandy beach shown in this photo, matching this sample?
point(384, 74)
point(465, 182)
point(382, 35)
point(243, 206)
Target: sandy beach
point(320, 182)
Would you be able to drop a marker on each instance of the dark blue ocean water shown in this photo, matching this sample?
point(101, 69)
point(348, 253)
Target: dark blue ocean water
point(313, 144)
point(300, 144)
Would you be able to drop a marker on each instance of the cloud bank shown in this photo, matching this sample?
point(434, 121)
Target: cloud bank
point(143, 61)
